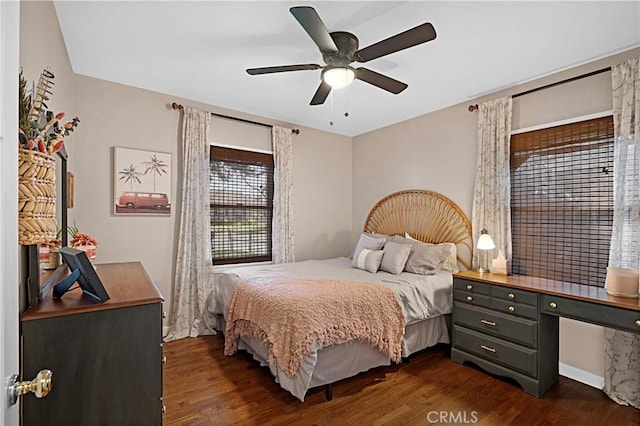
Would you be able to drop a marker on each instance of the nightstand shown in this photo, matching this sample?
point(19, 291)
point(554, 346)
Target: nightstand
point(501, 330)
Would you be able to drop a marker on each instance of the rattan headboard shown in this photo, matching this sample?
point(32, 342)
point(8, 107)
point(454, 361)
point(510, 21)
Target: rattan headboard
point(426, 216)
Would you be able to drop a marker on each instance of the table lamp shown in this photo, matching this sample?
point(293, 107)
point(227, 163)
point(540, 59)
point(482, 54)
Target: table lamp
point(484, 243)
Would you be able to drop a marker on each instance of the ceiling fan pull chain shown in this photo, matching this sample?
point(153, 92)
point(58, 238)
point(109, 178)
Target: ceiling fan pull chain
point(346, 103)
point(331, 108)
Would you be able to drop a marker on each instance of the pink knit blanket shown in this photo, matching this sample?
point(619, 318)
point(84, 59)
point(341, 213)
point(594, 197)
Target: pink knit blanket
point(287, 314)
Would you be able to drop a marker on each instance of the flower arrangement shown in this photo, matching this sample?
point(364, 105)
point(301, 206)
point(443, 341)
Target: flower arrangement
point(80, 239)
point(39, 129)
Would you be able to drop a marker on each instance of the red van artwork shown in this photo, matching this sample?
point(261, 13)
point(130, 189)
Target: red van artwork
point(139, 202)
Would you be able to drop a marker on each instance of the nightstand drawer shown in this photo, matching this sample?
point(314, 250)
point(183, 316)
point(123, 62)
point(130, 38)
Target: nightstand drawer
point(471, 286)
point(608, 316)
point(513, 295)
point(472, 298)
point(504, 326)
point(518, 309)
point(496, 350)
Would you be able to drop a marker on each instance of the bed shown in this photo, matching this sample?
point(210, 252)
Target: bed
point(424, 299)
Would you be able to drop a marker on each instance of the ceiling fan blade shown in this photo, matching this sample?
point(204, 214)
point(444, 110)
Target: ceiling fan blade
point(321, 94)
point(417, 35)
point(381, 81)
point(313, 25)
point(283, 68)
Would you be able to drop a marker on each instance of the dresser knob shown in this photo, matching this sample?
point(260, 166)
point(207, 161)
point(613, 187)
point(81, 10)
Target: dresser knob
point(469, 298)
point(164, 315)
point(469, 287)
point(164, 359)
point(638, 322)
point(553, 305)
point(511, 309)
point(511, 296)
point(164, 409)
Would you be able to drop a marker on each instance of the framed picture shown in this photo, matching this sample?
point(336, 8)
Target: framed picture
point(141, 182)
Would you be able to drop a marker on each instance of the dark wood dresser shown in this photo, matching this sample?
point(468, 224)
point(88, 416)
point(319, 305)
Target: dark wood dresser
point(106, 358)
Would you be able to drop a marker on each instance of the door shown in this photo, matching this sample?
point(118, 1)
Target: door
point(9, 249)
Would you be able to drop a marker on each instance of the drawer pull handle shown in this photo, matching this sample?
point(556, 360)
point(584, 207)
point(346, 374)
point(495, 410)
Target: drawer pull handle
point(511, 309)
point(487, 348)
point(164, 359)
point(638, 322)
point(491, 323)
point(511, 296)
point(164, 409)
point(553, 305)
point(469, 287)
point(469, 298)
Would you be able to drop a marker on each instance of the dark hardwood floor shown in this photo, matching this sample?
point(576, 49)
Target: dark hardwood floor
point(204, 387)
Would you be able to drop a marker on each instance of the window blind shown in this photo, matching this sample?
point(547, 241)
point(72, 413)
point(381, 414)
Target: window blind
point(562, 201)
point(241, 192)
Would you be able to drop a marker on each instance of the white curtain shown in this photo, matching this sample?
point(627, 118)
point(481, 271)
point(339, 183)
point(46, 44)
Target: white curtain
point(622, 350)
point(282, 227)
point(194, 275)
point(492, 194)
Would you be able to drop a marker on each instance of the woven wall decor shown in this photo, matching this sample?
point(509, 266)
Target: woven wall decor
point(37, 222)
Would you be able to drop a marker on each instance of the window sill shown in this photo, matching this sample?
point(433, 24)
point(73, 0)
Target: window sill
point(222, 268)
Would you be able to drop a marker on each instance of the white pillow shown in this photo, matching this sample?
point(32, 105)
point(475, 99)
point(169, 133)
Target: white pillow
point(395, 256)
point(369, 260)
point(366, 242)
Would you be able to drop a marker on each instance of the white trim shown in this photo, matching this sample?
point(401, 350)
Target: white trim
point(581, 376)
point(562, 122)
point(242, 148)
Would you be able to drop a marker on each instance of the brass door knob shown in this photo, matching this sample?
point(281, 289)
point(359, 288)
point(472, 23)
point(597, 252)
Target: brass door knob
point(40, 386)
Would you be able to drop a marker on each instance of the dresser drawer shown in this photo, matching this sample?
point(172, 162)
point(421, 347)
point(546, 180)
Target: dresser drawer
point(471, 286)
point(513, 308)
point(496, 350)
point(608, 316)
point(508, 327)
point(513, 295)
point(472, 298)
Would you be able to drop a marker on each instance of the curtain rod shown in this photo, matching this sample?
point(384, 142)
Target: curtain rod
point(547, 86)
point(294, 131)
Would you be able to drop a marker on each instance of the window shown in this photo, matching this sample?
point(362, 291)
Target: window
point(241, 188)
point(562, 201)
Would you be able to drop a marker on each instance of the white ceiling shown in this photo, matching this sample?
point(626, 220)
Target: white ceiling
point(200, 50)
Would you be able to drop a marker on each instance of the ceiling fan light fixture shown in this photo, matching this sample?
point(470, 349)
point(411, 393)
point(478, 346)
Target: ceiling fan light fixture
point(338, 77)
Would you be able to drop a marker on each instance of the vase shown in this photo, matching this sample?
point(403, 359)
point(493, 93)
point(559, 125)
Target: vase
point(37, 222)
point(90, 251)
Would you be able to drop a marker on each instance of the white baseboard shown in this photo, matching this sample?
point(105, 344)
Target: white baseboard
point(581, 376)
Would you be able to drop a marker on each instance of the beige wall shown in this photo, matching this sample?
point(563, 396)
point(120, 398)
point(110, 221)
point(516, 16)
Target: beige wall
point(437, 151)
point(116, 115)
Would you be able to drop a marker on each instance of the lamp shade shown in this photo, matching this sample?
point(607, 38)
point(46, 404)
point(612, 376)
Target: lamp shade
point(485, 242)
point(338, 77)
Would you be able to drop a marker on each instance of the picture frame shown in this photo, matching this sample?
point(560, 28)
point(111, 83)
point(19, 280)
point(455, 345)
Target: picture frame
point(141, 182)
point(82, 271)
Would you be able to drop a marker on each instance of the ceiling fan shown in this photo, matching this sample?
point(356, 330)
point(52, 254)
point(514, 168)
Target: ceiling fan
point(340, 48)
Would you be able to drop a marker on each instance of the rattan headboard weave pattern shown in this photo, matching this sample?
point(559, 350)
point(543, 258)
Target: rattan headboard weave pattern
point(427, 216)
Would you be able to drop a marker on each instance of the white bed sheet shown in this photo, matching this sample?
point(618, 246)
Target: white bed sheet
point(424, 299)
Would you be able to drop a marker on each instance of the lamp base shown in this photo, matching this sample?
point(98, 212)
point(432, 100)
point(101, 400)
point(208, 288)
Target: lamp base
point(484, 270)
